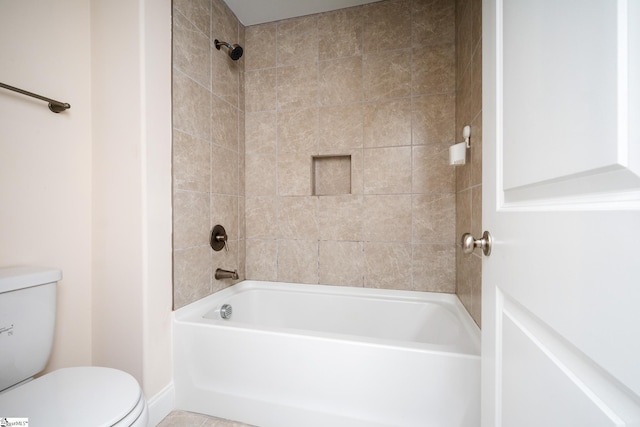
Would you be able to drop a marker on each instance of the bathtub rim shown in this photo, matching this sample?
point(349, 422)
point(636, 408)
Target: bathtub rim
point(194, 312)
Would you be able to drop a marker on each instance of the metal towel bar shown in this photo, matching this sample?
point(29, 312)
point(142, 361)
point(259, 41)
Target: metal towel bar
point(55, 106)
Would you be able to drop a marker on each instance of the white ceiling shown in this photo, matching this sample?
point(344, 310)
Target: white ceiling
point(251, 12)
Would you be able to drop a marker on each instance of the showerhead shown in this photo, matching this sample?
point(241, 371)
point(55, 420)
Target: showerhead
point(234, 50)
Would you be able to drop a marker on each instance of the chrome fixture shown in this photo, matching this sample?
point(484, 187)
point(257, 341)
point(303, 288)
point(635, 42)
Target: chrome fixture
point(234, 50)
point(469, 243)
point(225, 311)
point(226, 274)
point(218, 238)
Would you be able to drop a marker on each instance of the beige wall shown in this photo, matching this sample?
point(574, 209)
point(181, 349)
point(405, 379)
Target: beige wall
point(208, 147)
point(88, 190)
point(45, 158)
point(131, 107)
point(376, 83)
point(469, 176)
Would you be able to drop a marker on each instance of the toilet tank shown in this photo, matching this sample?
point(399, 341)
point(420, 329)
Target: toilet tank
point(27, 320)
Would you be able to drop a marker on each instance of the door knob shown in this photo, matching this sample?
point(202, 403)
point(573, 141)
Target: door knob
point(469, 243)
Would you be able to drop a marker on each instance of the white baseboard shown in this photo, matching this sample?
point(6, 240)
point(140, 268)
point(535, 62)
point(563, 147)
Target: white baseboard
point(161, 404)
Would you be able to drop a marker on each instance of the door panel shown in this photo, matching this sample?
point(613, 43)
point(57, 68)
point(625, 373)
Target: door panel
point(551, 72)
point(561, 194)
point(535, 378)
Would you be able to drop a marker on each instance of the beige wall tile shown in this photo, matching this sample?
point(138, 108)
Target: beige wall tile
point(434, 268)
point(386, 25)
point(476, 151)
point(476, 82)
point(224, 124)
point(464, 40)
point(191, 50)
point(190, 219)
point(387, 170)
point(298, 218)
point(340, 127)
point(434, 69)
point(387, 123)
point(191, 275)
point(298, 261)
point(224, 23)
point(260, 174)
point(191, 163)
point(226, 260)
point(469, 176)
point(241, 92)
point(433, 22)
point(357, 171)
point(476, 22)
point(434, 218)
point(476, 288)
point(340, 81)
point(261, 217)
point(469, 281)
point(224, 211)
point(191, 107)
point(262, 40)
point(341, 263)
point(298, 131)
point(242, 173)
point(294, 174)
point(262, 259)
point(196, 11)
point(387, 218)
point(242, 257)
point(208, 132)
point(298, 86)
point(297, 40)
point(225, 172)
point(341, 217)
point(387, 265)
point(463, 282)
point(463, 213)
point(225, 76)
point(242, 229)
point(340, 33)
point(434, 120)
point(260, 90)
point(260, 137)
point(387, 75)
point(476, 211)
point(432, 172)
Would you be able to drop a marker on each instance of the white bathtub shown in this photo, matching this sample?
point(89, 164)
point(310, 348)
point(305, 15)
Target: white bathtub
point(296, 355)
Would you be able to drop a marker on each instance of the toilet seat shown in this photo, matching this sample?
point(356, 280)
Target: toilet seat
point(83, 396)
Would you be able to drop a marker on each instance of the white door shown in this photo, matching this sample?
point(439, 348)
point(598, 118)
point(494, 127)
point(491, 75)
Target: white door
point(561, 288)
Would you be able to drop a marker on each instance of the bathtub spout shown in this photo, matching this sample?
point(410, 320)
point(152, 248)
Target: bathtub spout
point(226, 274)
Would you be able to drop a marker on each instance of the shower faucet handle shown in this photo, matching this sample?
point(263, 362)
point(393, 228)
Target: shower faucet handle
point(218, 238)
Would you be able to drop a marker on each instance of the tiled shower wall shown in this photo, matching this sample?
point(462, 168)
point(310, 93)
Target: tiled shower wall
point(376, 83)
point(469, 176)
point(208, 147)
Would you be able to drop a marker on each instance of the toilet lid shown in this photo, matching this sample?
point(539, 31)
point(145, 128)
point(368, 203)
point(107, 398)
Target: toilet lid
point(84, 396)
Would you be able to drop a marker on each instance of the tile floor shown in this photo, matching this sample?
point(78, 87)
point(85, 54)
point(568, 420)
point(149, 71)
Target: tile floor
point(191, 419)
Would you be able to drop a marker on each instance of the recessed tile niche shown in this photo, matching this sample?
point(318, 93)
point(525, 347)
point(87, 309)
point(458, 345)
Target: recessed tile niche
point(331, 175)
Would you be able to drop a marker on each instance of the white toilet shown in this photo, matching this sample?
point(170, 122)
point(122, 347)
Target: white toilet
point(82, 396)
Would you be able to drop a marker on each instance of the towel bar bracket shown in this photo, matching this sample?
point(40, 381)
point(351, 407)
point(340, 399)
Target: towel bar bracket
point(55, 106)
